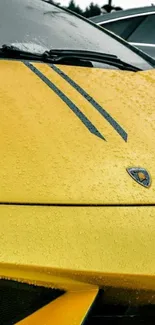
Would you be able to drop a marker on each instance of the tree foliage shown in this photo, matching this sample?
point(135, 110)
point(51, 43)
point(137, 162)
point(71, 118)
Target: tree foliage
point(73, 7)
point(93, 9)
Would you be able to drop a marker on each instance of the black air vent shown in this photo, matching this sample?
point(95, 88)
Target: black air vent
point(18, 301)
point(106, 314)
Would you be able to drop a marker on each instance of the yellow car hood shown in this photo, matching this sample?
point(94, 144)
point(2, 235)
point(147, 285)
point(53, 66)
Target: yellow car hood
point(67, 134)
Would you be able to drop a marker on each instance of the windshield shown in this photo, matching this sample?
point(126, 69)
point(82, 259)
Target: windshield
point(39, 26)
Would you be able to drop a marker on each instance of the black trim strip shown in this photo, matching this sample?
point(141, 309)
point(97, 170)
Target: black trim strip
point(80, 205)
point(92, 101)
point(91, 127)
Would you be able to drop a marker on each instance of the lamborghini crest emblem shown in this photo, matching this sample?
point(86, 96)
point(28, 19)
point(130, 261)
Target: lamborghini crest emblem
point(140, 175)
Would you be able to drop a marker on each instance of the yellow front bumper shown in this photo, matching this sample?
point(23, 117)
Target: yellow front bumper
point(78, 249)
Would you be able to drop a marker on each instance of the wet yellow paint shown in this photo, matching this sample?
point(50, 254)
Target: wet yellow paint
point(48, 156)
point(62, 245)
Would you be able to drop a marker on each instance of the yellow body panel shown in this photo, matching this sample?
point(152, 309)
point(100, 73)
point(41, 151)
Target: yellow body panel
point(69, 309)
point(47, 155)
point(66, 246)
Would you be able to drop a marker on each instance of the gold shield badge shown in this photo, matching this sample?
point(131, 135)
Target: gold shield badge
point(140, 175)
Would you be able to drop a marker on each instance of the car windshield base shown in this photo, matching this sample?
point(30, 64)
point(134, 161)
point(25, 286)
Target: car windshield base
point(68, 57)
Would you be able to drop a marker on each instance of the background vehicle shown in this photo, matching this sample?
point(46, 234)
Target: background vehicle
point(137, 26)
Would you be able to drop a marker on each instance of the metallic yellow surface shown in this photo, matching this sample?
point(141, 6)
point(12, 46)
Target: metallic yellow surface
point(48, 156)
point(57, 246)
point(69, 309)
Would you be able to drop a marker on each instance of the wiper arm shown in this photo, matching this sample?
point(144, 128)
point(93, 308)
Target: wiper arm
point(10, 51)
point(72, 57)
point(60, 56)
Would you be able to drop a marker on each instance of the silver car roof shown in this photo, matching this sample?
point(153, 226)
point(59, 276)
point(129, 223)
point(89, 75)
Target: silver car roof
point(122, 13)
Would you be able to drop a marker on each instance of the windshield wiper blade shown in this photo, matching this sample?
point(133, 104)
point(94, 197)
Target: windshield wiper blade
point(72, 57)
point(13, 52)
point(60, 56)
